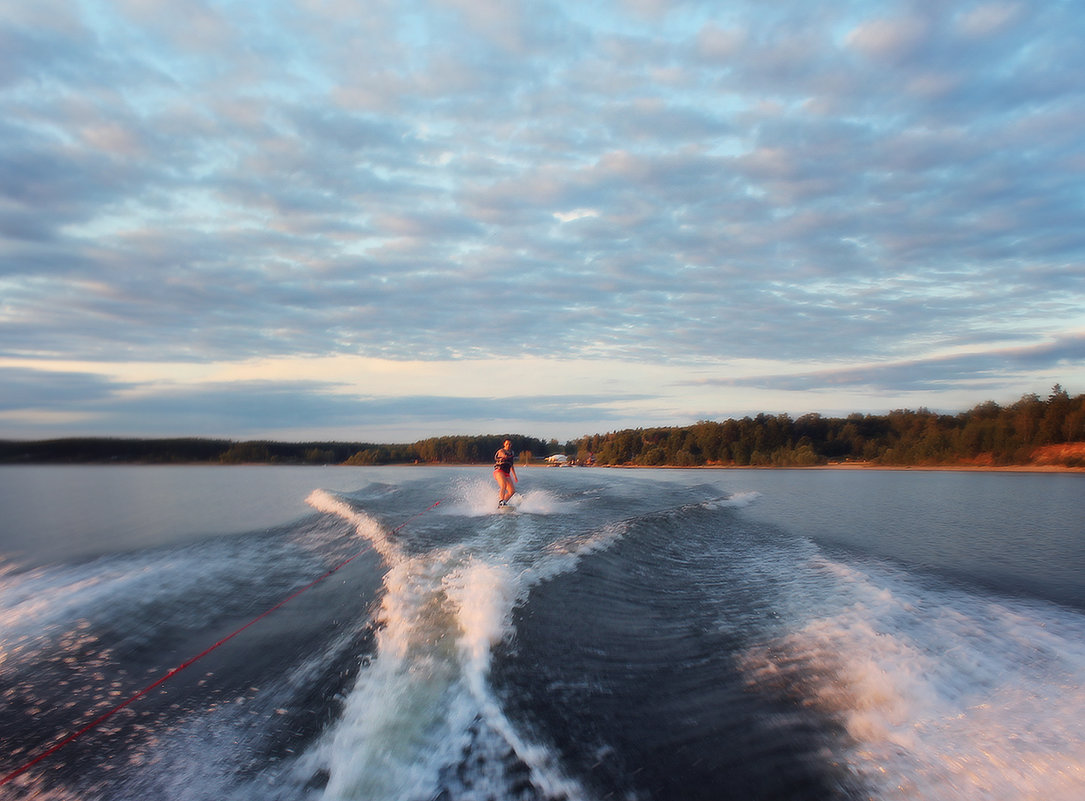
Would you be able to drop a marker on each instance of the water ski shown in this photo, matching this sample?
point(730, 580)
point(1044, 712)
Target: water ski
point(511, 504)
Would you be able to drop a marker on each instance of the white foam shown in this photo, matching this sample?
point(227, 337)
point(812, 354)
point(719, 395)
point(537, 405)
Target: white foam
point(943, 695)
point(364, 525)
point(414, 709)
point(470, 497)
point(398, 726)
point(477, 497)
point(42, 605)
point(482, 595)
point(740, 500)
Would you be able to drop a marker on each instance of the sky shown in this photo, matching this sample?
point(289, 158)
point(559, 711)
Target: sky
point(388, 220)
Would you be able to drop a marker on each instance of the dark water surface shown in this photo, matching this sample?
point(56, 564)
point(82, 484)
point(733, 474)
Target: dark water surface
point(624, 634)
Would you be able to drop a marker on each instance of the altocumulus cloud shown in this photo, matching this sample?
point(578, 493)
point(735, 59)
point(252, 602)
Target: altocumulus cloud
point(982, 368)
point(102, 407)
point(843, 188)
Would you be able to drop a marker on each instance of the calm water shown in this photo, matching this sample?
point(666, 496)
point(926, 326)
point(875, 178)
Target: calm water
point(624, 634)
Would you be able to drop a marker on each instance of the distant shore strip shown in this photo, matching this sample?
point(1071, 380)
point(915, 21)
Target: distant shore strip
point(1033, 433)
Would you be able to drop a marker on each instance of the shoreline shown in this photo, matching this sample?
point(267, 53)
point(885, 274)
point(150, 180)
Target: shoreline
point(845, 466)
point(944, 468)
point(969, 468)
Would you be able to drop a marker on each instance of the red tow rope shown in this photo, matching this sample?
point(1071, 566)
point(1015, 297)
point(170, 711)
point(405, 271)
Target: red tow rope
point(98, 721)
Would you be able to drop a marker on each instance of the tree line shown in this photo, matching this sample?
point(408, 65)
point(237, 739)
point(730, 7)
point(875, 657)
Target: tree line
point(191, 450)
point(994, 434)
point(452, 450)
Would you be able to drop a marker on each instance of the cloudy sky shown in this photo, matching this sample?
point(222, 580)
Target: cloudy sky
point(391, 219)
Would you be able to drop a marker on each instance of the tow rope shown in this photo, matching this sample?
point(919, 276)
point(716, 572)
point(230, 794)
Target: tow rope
point(98, 721)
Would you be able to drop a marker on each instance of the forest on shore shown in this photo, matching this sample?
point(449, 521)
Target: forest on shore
point(193, 450)
point(1051, 430)
point(986, 435)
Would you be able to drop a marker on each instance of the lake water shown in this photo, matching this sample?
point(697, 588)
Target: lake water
point(648, 634)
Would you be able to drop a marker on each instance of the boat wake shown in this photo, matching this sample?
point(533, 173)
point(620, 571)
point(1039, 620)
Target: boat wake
point(422, 720)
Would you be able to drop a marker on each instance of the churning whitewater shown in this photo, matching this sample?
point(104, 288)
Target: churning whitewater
point(424, 702)
point(647, 635)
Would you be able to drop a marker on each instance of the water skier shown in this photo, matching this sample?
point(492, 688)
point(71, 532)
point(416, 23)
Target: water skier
point(505, 473)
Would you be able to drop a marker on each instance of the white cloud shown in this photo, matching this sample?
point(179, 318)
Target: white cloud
point(889, 38)
point(989, 18)
point(463, 184)
point(576, 214)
